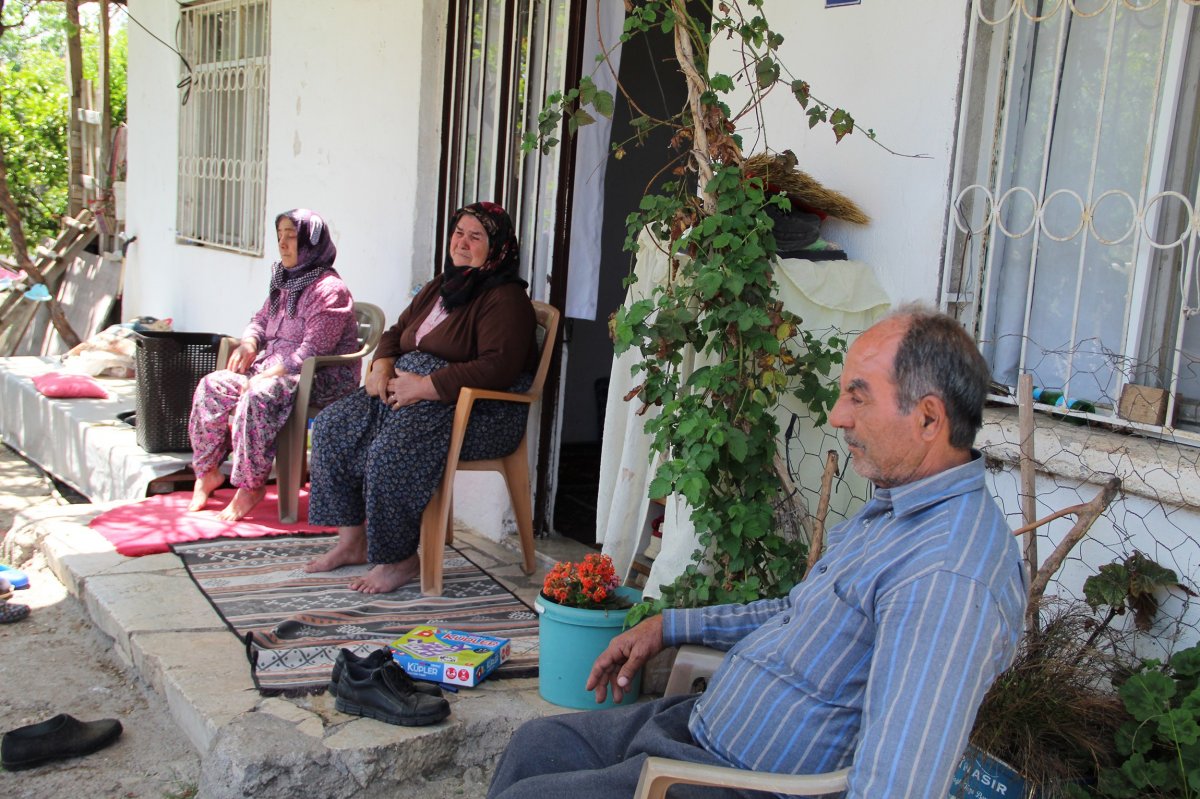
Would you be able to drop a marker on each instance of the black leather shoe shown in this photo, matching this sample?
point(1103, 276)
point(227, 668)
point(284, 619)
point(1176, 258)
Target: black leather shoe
point(377, 659)
point(374, 660)
point(56, 738)
point(387, 694)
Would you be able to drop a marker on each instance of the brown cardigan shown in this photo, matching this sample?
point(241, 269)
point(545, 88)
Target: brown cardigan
point(489, 341)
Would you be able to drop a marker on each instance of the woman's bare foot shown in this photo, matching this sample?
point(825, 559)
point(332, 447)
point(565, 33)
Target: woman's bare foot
point(205, 485)
point(350, 550)
point(244, 500)
point(387, 577)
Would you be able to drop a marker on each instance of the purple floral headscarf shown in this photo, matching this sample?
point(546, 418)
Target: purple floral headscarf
point(315, 254)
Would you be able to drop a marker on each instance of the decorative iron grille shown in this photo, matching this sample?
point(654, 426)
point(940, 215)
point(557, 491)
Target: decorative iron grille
point(223, 124)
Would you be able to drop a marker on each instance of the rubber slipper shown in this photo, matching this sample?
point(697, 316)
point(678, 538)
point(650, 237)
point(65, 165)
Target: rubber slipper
point(6, 589)
point(18, 578)
point(11, 612)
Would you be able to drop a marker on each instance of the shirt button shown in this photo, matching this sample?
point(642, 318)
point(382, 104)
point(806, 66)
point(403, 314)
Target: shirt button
point(822, 569)
point(786, 619)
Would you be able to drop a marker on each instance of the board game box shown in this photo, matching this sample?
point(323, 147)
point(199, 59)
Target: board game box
point(449, 656)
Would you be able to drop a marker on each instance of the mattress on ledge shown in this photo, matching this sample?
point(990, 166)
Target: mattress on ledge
point(79, 441)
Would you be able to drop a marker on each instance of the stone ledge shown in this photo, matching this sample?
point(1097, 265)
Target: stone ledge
point(1161, 470)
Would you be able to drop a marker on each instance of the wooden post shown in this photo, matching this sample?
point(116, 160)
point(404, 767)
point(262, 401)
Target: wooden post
point(105, 105)
point(74, 127)
point(817, 544)
point(1028, 476)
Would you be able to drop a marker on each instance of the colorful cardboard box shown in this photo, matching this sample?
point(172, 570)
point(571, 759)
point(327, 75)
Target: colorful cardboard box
point(449, 656)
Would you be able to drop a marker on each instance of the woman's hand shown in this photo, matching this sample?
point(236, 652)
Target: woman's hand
point(266, 374)
point(407, 388)
point(380, 373)
point(617, 665)
point(243, 356)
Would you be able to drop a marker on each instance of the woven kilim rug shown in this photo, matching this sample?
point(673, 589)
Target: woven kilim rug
point(294, 623)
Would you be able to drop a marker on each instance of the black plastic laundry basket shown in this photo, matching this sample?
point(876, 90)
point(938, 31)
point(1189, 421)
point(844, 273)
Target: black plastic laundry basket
point(169, 366)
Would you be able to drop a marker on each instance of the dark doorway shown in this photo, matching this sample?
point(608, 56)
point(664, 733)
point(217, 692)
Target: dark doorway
point(651, 76)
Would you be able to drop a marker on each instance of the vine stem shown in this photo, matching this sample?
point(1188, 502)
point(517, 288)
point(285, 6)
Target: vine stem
point(696, 87)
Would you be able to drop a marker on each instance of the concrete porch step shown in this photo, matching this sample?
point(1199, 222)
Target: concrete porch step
point(163, 628)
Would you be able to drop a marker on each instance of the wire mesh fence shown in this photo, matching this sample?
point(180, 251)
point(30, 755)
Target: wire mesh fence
point(1156, 512)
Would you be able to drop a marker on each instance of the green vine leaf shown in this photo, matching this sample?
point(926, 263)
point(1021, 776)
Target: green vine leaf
point(767, 72)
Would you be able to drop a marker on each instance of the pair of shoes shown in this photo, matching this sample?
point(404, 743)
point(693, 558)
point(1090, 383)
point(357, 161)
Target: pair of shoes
point(56, 738)
point(387, 694)
point(377, 659)
point(11, 612)
point(18, 578)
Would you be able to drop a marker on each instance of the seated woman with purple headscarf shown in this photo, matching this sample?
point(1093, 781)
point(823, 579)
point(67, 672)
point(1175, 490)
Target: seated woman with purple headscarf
point(242, 408)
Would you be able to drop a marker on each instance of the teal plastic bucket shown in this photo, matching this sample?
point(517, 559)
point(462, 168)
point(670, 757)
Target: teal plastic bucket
point(569, 640)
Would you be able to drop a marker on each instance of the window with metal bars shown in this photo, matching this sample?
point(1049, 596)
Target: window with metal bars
point(1074, 224)
point(504, 57)
point(223, 124)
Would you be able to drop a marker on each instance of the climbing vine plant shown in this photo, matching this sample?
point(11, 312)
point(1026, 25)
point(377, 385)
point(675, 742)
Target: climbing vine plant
point(715, 431)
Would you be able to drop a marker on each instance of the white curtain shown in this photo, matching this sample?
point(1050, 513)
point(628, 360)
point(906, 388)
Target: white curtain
point(1078, 122)
point(591, 159)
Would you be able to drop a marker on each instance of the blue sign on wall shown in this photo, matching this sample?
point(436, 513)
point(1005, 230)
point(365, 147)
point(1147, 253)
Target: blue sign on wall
point(836, 3)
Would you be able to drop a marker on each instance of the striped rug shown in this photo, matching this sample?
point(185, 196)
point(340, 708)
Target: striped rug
point(294, 623)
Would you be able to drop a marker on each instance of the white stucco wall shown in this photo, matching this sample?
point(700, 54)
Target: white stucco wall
point(895, 67)
point(354, 119)
point(354, 132)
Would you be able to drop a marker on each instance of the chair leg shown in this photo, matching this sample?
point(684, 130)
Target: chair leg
point(289, 462)
point(433, 542)
point(450, 518)
point(516, 477)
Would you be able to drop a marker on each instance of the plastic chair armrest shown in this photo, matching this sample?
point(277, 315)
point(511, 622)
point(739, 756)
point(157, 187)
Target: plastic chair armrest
point(691, 663)
point(658, 773)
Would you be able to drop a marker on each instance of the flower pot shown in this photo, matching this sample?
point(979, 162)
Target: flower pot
point(570, 639)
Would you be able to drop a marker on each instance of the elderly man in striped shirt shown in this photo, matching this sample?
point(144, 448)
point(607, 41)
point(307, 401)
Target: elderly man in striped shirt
point(879, 660)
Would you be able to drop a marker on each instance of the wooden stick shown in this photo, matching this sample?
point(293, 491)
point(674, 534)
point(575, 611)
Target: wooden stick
point(818, 538)
point(1028, 477)
point(1087, 517)
point(793, 497)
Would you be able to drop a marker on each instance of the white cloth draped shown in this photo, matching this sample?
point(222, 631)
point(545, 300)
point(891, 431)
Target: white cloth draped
point(828, 295)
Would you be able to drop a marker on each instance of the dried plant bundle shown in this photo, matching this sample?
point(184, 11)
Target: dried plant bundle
point(1053, 714)
point(780, 171)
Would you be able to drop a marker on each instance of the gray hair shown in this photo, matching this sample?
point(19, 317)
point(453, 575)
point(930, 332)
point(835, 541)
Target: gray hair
point(937, 356)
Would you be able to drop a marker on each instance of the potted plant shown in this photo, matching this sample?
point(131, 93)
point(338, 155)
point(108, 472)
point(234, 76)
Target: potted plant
point(581, 608)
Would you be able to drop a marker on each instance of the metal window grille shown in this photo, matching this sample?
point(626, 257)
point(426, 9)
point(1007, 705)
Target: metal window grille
point(505, 57)
point(223, 125)
point(1073, 230)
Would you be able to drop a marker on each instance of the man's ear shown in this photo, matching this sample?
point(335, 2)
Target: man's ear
point(932, 416)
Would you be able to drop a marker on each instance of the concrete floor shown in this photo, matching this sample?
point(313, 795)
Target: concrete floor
point(166, 634)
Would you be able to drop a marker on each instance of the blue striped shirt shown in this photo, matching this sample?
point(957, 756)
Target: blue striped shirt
point(880, 658)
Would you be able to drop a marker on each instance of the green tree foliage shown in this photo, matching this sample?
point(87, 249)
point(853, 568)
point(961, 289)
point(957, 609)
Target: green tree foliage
point(34, 94)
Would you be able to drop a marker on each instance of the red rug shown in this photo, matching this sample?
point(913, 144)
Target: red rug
point(152, 525)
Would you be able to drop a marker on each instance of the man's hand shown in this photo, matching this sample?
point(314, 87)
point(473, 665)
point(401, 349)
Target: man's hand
point(379, 375)
point(625, 654)
point(241, 358)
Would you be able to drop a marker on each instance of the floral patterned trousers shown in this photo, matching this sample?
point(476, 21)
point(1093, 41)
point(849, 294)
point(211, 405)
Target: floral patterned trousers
point(381, 466)
point(258, 410)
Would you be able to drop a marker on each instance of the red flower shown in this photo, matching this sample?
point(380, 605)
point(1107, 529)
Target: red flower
point(588, 584)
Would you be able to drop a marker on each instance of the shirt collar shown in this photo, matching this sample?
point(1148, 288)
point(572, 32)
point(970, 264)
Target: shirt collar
point(915, 496)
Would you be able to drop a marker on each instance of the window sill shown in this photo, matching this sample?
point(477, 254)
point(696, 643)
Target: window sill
point(1156, 469)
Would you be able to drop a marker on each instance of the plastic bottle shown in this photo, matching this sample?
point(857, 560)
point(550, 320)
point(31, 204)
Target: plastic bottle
point(1047, 396)
point(1082, 406)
